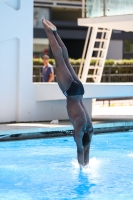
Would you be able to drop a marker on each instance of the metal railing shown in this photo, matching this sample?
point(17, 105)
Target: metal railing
point(106, 77)
point(110, 74)
point(114, 102)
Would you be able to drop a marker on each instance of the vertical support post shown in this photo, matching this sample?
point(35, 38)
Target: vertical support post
point(104, 7)
point(83, 8)
point(109, 75)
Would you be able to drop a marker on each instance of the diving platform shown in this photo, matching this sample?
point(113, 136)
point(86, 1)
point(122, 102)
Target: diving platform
point(98, 45)
point(117, 22)
point(44, 91)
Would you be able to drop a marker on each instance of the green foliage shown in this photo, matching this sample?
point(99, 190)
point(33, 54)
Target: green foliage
point(75, 61)
point(111, 62)
point(52, 61)
point(93, 62)
point(124, 62)
point(39, 61)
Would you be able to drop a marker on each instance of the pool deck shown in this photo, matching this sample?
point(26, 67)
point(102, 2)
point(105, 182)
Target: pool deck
point(104, 119)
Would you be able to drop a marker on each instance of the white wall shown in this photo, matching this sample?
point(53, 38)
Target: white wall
point(16, 41)
point(8, 78)
point(115, 50)
point(56, 109)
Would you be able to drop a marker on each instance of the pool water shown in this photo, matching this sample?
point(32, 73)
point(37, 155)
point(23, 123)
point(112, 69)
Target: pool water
point(47, 169)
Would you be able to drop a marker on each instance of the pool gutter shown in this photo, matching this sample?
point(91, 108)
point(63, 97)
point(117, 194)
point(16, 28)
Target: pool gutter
point(34, 130)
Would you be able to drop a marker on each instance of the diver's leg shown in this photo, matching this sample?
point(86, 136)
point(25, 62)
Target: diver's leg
point(89, 130)
point(64, 50)
point(63, 75)
point(89, 122)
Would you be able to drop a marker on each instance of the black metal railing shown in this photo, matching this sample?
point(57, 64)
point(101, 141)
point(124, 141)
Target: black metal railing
point(110, 73)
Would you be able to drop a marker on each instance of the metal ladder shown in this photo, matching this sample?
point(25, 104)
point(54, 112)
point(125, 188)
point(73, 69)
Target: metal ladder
point(98, 45)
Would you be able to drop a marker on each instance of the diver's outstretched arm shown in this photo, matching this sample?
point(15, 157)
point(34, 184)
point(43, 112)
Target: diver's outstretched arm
point(78, 134)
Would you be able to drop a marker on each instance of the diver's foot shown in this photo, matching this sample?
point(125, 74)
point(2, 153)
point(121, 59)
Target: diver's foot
point(86, 164)
point(46, 26)
point(53, 27)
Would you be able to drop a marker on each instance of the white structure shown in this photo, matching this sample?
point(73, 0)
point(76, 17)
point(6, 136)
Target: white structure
point(22, 100)
point(102, 17)
point(105, 25)
point(100, 47)
point(16, 40)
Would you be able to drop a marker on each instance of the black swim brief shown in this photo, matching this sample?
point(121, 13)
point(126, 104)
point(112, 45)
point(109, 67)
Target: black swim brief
point(76, 88)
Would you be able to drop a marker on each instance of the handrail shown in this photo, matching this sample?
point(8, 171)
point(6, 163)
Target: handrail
point(107, 76)
point(104, 7)
point(83, 8)
point(84, 52)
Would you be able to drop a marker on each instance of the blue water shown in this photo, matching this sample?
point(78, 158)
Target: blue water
point(47, 169)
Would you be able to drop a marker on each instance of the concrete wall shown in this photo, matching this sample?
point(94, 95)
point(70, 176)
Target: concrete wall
point(56, 109)
point(16, 41)
point(115, 50)
point(51, 102)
